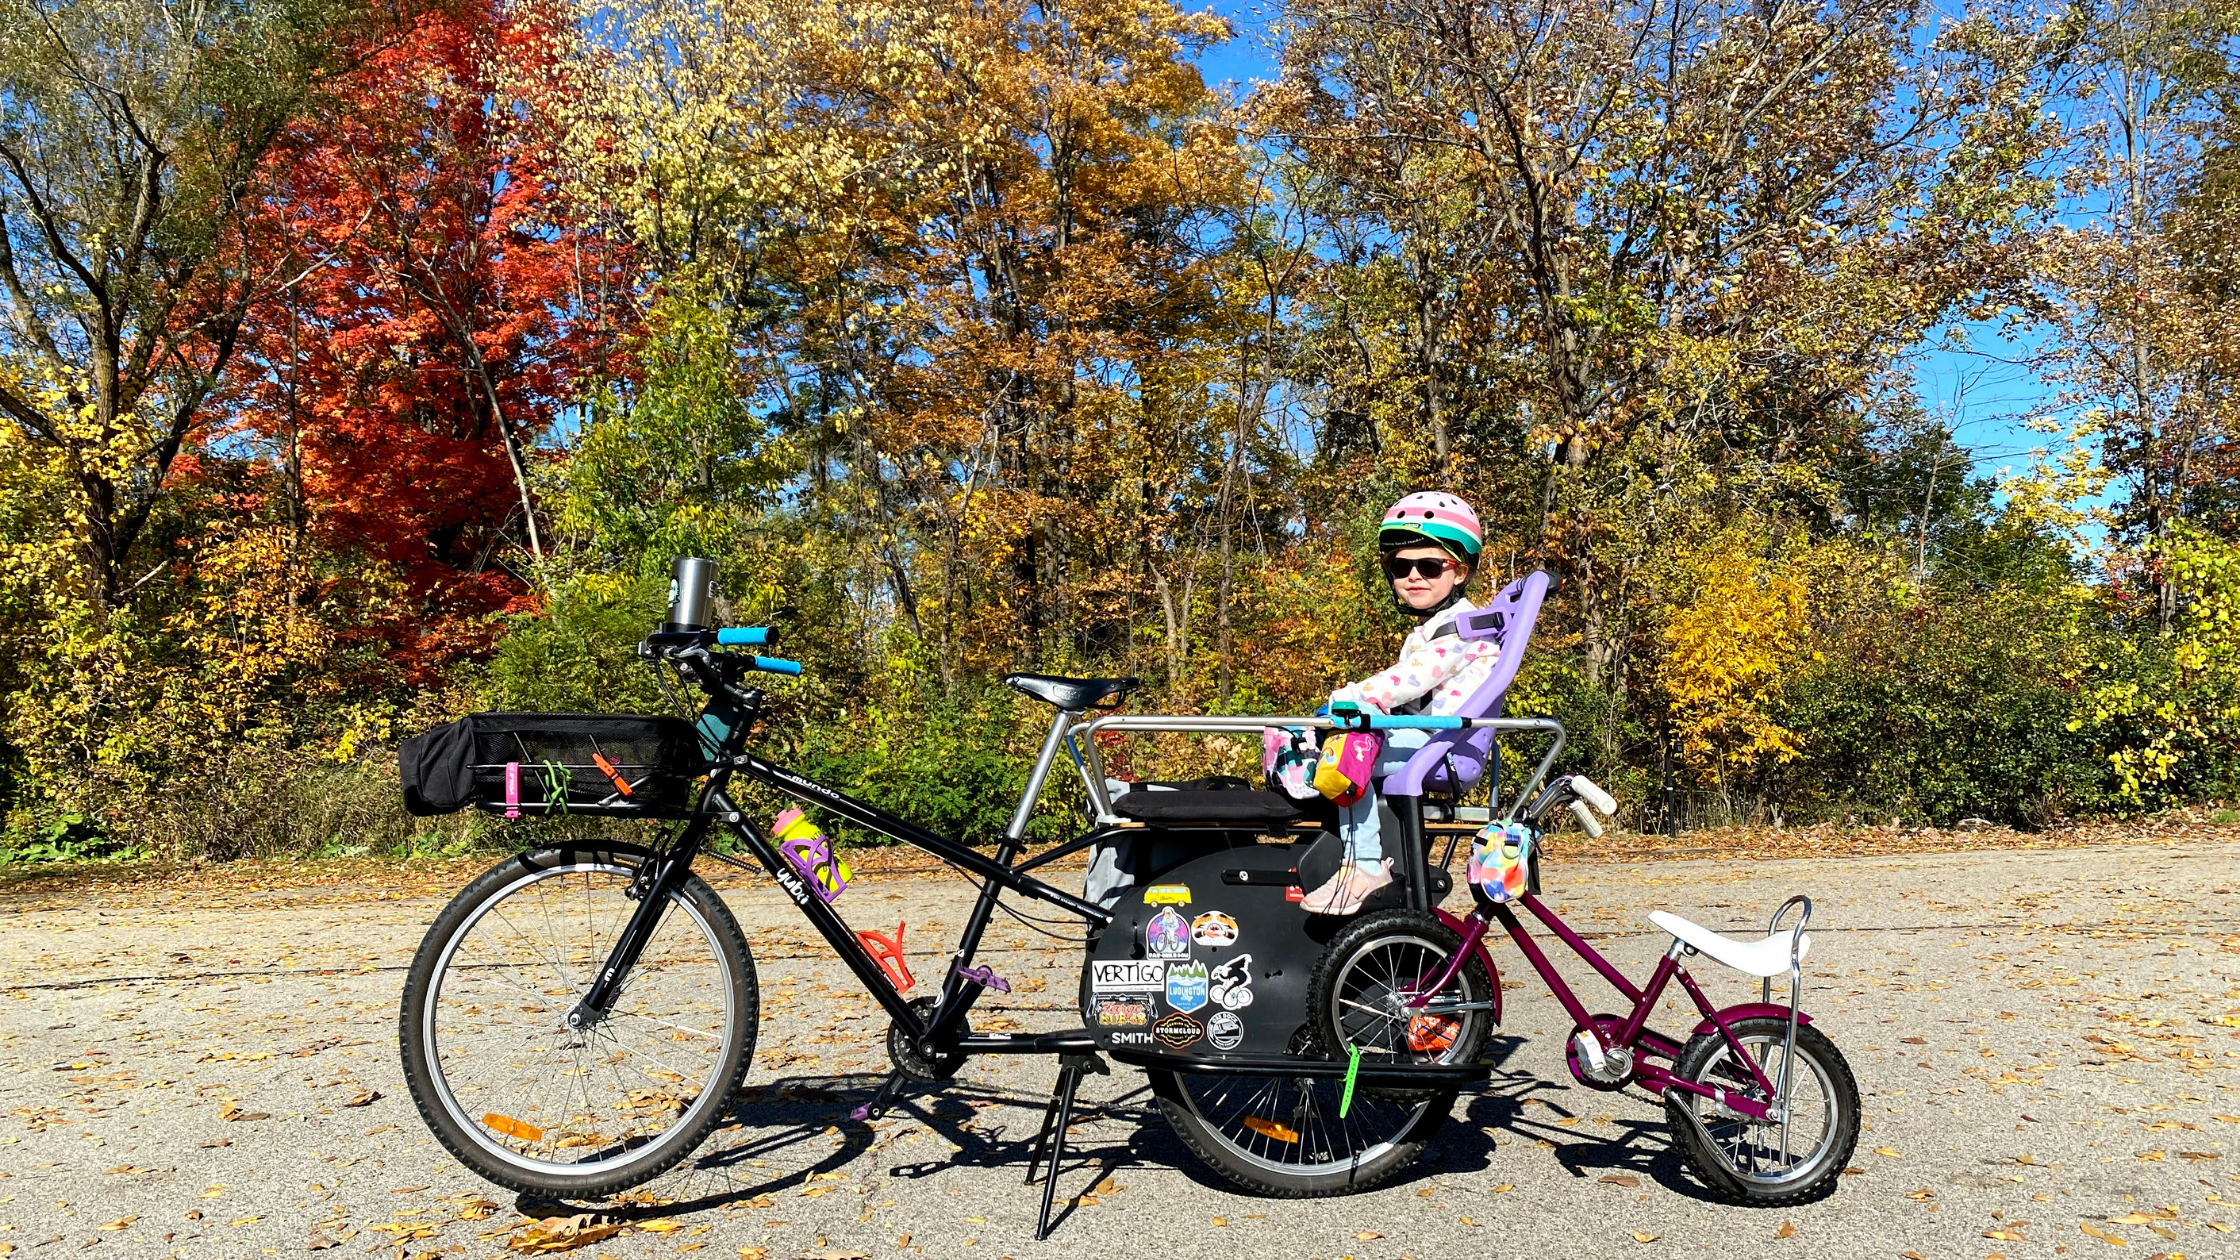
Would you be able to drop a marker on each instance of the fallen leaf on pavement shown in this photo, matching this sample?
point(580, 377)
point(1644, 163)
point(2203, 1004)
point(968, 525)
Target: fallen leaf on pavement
point(1788, 1230)
point(1628, 1180)
point(757, 1253)
point(1366, 1235)
point(1640, 1237)
point(564, 1233)
point(2151, 1157)
point(833, 1253)
point(2103, 1235)
point(363, 1097)
point(1884, 1150)
point(122, 1222)
point(2195, 1157)
point(659, 1227)
point(2004, 1235)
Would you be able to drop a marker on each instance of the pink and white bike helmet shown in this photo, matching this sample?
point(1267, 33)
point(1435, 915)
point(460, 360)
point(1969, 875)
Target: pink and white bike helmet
point(1437, 517)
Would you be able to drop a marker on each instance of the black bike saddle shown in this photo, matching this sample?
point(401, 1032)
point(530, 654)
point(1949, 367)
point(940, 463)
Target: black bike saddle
point(1072, 694)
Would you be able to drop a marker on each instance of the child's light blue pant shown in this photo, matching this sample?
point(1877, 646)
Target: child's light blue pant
point(1358, 822)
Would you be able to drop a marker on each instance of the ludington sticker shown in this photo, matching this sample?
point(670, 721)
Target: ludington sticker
point(1186, 986)
point(1177, 1031)
point(1213, 928)
point(1128, 975)
point(1167, 936)
point(1167, 895)
point(1225, 1031)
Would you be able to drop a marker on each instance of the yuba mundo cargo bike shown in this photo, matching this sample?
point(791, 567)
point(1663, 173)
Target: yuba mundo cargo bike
point(579, 1016)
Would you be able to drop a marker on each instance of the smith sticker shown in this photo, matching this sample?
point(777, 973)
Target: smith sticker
point(1167, 895)
point(1177, 1031)
point(1121, 1012)
point(1129, 975)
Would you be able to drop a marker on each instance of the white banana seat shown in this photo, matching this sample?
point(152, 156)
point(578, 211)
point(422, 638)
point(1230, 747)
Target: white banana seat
point(1769, 957)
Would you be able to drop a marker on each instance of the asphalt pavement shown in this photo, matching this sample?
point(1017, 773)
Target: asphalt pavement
point(2045, 1042)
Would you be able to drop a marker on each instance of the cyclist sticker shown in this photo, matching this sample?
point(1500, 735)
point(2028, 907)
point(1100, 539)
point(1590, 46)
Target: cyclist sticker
point(1177, 1031)
point(1186, 986)
point(1128, 975)
point(1167, 936)
point(1225, 1031)
point(1231, 983)
point(1213, 928)
point(1115, 1012)
point(1167, 895)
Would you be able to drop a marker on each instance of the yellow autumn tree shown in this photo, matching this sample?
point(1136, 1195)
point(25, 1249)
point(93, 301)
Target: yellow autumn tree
point(1738, 627)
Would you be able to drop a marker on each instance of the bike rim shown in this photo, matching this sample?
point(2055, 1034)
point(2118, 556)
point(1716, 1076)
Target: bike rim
point(1753, 1150)
point(556, 1071)
point(1372, 990)
point(1291, 1125)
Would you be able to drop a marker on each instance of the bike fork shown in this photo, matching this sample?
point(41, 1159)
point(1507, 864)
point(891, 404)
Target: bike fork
point(651, 888)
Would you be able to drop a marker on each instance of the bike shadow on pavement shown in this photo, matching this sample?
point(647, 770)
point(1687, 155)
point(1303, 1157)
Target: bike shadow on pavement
point(796, 1133)
point(1522, 1105)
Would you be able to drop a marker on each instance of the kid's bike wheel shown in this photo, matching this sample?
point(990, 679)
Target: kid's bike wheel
point(1284, 1136)
point(1370, 972)
point(536, 1106)
point(1764, 1163)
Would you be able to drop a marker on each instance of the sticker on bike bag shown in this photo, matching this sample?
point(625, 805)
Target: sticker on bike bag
point(1167, 895)
point(1231, 983)
point(1128, 975)
point(1294, 893)
point(1213, 928)
point(1167, 935)
point(1120, 1012)
point(1501, 861)
point(1176, 1031)
point(1224, 1030)
point(1130, 1038)
point(1186, 986)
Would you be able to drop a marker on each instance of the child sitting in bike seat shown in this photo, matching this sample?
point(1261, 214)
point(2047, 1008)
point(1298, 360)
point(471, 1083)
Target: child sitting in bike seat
point(1431, 543)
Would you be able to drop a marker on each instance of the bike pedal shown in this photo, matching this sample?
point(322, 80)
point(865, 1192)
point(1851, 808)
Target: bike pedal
point(986, 978)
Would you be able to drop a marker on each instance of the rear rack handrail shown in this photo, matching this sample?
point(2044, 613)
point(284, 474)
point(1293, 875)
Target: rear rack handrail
point(1084, 735)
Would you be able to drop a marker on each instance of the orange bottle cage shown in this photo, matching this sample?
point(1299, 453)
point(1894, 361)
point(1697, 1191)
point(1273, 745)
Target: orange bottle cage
point(888, 952)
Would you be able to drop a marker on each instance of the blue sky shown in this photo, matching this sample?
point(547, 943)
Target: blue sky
point(1982, 389)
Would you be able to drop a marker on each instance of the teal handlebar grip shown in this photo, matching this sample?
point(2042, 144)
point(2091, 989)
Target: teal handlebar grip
point(745, 636)
point(772, 665)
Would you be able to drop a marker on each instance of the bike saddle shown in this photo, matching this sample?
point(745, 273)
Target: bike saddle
point(1072, 694)
point(1769, 957)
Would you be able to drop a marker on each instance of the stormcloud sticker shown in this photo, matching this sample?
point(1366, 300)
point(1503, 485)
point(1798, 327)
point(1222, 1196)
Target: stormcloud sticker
point(1128, 975)
point(1186, 986)
point(1177, 1031)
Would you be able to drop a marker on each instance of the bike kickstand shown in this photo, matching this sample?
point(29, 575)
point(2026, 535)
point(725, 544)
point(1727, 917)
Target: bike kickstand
point(1052, 1140)
point(880, 1101)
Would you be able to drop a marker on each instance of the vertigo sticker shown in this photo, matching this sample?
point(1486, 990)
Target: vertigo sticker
point(1128, 975)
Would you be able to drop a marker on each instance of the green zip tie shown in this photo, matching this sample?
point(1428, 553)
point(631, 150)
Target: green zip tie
point(557, 780)
point(1353, 1068)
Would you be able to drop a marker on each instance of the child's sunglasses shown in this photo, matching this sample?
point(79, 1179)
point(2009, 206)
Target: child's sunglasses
point(1424, 567)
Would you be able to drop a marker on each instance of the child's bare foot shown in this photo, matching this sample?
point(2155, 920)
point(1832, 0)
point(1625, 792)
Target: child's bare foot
point(1346, 890)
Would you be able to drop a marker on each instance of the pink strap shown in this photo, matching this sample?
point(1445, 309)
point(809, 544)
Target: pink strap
point(513, 789)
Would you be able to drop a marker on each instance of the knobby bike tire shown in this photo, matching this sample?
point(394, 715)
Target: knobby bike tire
point(672, 1145)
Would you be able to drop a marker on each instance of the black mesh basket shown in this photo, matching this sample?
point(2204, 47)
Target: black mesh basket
point(549, 764)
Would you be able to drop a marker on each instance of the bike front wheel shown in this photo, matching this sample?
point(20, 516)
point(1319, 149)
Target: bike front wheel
point(534, 1105)
point(1766, 1163)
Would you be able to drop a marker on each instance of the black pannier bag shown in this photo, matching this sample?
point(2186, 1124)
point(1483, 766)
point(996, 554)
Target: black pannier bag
point(608, 764)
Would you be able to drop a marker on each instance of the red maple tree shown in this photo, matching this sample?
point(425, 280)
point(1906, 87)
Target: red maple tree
point(446, 313)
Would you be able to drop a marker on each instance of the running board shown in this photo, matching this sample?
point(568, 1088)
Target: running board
point(1371, 1070)
point(1070, 1041)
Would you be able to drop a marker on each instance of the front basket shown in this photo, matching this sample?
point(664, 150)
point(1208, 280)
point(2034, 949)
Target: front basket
point(547, 764)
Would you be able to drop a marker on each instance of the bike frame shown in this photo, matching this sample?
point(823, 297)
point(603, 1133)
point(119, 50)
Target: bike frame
point(725, 723)
point(1631, 1033)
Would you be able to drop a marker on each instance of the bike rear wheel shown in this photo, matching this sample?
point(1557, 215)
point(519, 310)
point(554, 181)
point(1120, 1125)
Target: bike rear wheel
point(1284, 1136)
point(535, 1106)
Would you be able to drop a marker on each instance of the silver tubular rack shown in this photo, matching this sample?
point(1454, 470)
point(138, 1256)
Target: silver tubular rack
point(1796, 995)
point(1082, 739)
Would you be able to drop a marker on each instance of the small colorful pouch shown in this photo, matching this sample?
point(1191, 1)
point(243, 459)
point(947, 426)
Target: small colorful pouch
point(1501, 861)
point(1288, 759)
point(1347, 761)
